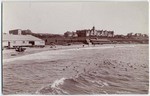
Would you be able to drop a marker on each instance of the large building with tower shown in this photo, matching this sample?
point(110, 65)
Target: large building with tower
point(94, 33)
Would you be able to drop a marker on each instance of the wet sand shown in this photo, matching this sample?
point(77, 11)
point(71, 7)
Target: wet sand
point(124, 69)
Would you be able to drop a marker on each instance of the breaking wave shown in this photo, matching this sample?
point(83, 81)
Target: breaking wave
point(83, 84)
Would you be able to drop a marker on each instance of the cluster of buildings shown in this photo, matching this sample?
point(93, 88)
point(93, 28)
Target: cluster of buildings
point(90, 33)
point(20, 37)
point(131, 35)
point(27, 38)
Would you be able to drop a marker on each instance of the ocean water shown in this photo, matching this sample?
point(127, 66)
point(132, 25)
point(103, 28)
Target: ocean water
point(119, 70)
point(96, 82)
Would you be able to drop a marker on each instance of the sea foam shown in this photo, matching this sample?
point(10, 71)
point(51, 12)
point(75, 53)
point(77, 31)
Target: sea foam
point(58, 82)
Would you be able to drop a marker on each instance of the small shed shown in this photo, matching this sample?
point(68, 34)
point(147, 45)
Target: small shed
point(12, 41)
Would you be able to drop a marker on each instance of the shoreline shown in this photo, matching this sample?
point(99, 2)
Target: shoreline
point(68, 48)
point(38, 50)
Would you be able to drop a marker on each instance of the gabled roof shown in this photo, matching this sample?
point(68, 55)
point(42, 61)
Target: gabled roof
point(8, 37)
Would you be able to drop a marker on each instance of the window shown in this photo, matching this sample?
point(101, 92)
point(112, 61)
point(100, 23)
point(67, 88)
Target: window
point(23, 41)
point(14, 42)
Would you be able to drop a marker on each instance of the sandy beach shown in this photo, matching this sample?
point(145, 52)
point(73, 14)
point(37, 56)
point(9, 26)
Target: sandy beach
point(100, 69)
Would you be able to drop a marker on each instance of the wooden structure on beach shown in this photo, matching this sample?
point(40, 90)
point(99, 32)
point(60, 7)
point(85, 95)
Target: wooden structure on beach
point(12, 41)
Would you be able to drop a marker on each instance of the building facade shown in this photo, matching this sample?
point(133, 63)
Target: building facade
point(12, 41)
point(94, 33)
point(20, 32)
point(70, 34)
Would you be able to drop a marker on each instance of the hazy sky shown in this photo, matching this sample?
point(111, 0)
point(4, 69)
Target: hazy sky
point(59, 17)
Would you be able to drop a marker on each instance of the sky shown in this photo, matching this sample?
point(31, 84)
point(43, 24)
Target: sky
point(59, 17)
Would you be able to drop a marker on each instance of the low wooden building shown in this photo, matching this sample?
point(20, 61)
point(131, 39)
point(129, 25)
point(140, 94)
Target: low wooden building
point(12, 41)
